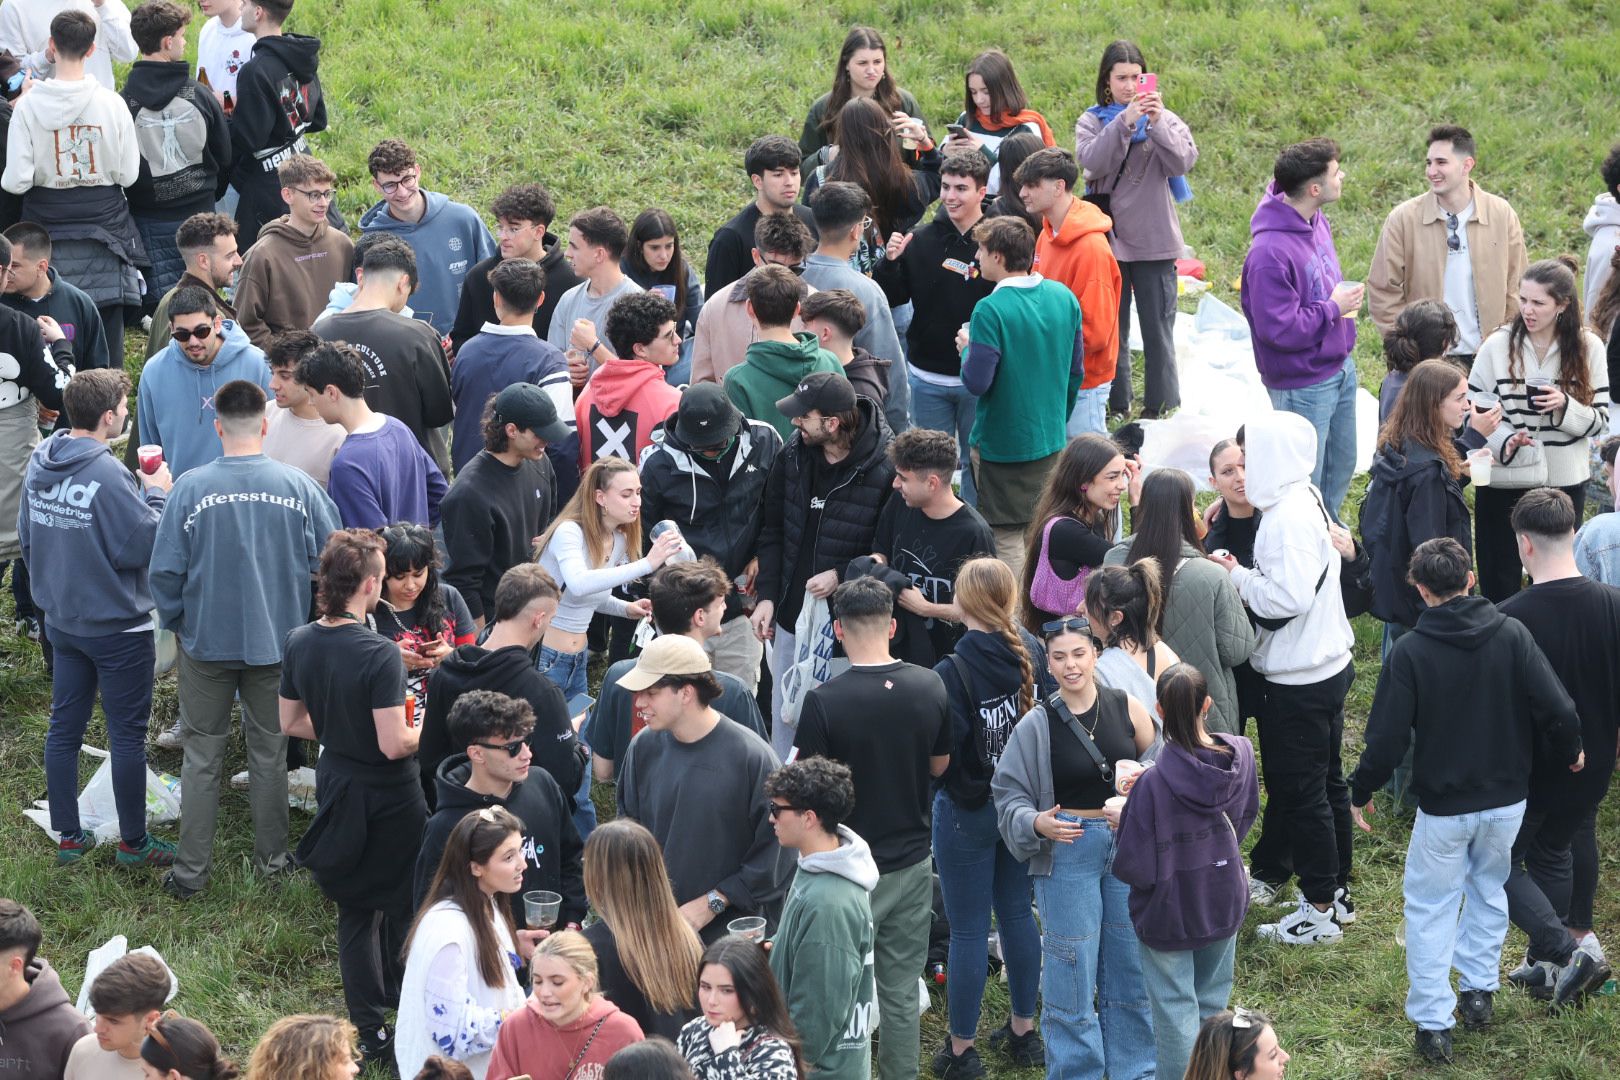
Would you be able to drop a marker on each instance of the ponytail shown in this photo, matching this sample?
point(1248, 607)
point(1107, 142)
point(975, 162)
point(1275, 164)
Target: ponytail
point(1183, 695)
point(986, 590)
point(1134, 592)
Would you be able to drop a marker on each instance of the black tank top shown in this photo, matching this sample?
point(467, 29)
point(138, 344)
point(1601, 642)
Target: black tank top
point(1076, 783)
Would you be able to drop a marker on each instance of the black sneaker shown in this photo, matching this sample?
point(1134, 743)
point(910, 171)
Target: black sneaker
point(1475, 1008)
point(377, 1048)
point(1026, 1050)
point(1535, 977)
point(174, 888)
point(963, 1066)
point(1434, 1046)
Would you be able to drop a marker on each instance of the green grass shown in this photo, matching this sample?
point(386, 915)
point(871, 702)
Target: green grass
point(645, 102)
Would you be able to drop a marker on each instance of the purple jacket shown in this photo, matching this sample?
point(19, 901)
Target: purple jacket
point(1300, 338)
point(1179, 845)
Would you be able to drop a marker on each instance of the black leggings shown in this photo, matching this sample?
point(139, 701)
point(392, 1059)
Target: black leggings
point(1495, 549)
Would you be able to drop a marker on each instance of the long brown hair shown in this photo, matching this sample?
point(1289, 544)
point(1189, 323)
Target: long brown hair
point(886, 93)
point(474, 840)
point(1557, 276)
point(1165, 519)
point(1224, 1050)
point(1135, 592)
point(1416, 417)
point(869, 159)
point(1062, 496)
point(1000, 81)
point(986, 591)
point(1182, 691)
point(1606, 312)
point(583, 511)
point(628, 885)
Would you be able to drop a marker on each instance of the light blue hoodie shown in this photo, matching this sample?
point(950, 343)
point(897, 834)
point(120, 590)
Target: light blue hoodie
point(449, 239)
point(175, 402)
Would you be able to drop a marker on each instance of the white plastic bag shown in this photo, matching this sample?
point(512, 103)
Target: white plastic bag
point(813, 662)
point(98, 961)
point(98, 814)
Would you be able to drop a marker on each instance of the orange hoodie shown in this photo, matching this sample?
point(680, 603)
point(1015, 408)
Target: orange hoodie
point(619, 407)
point(1078, 256)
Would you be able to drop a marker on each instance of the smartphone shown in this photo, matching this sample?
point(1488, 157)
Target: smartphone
point(1147, 83)
point(956, 129)
point(579, 704)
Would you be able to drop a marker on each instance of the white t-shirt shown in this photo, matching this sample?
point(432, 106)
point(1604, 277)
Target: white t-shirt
point(304, 444)
point(88, 1061)
point(1460, 295)
point(221, 52)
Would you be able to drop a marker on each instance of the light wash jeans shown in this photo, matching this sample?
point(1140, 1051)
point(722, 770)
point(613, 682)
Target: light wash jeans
point(569, 672)
point(1186, 988)
point(781, 658)
point(1090, 412)
point(950, 409)
point(1090, 950)
point(1457, 858)
point(1330, 406)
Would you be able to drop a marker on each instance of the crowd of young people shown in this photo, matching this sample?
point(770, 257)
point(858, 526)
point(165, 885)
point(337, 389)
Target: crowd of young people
point(907, 662)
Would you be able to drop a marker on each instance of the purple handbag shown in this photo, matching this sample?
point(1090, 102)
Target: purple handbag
point(1051, 593)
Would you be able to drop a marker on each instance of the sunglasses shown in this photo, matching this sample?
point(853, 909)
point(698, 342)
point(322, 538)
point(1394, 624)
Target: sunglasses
point(776, 809)
point(1453, 241)
point(1072, 624)
point(184, 334)
point(513, 748)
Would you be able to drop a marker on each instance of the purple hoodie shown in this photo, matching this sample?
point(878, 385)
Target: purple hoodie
point(1300, 338)
point(1179, 845)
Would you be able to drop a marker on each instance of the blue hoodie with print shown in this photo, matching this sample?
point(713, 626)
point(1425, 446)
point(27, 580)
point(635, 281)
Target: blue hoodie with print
point(175, 402)
point(449, 239)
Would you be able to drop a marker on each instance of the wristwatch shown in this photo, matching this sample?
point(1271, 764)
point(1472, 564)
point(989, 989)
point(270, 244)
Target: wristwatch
point(717, 903)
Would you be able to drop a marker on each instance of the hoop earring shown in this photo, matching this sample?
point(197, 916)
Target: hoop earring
point(1084, 488)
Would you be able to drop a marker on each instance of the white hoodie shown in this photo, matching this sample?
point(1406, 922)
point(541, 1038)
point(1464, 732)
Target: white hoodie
point(25, 28)
point(1291, 550)
point(71, 134)
point(1602, 224)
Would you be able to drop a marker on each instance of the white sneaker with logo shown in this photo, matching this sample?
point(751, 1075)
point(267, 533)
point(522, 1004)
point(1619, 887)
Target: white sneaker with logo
point(1304, 926)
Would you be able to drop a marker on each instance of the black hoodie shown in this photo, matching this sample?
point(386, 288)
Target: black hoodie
point(477, 305)
point(1481, 697)
point(1412, 497)
point(42, 372)
point(508, 671)
point(982, 719)
point(278, 102)
point(939, 274)
point(184, 141)
point(552, 849)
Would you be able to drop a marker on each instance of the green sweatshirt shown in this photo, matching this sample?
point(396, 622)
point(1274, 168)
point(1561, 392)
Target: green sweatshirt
point(822, 958)
point(770, 371)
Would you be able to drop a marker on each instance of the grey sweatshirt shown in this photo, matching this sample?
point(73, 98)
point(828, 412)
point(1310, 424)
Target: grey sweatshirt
point(1022, 788)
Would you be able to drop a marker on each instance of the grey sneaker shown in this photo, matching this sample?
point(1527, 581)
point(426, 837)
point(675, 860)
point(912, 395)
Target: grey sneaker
point(1583, 974)
point(1535, 977)
point(171, 738)
point(1261, 893)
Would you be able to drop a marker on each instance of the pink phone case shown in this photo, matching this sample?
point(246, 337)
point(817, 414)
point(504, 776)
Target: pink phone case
point(1147, 83)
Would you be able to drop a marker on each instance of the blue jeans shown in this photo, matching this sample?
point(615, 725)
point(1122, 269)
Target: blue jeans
point(950, 409)
point(1090, 950)
point(121, 664)
point(1090, 412)
point(1460, 858)
point(568, 671)
point(977, 873)
point(1186, 988)
point(1399, 785)
point(1330, 406)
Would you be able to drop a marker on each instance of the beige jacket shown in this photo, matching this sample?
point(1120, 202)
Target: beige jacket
point(723, 333)
point(1410, 260)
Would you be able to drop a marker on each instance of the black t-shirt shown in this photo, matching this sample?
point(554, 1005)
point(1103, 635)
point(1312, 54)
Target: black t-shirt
point(615, 984)
point(884, 722)
point(1235, 535)
point(821, 484)
point(1076, 782)
point(342, 673)
point(930, 553)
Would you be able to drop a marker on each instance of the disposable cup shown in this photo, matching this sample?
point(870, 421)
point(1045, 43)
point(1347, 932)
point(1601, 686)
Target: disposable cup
point(749, 927)
point(540, 909)
point(1480, 463)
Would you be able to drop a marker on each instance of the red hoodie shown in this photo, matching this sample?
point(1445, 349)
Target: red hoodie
point(618, 409)
point(1079, 256)
point(530, 1044)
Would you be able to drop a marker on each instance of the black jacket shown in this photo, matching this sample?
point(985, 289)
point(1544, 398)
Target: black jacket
point(491, 515)
point(938, 274)
point(184, 141)
point(1412, 497)
point(862, 483)
point(552, 849)
point(722, 520)
point(731, 249)
point(43, 373)
point(278, 102)
point(1480, 695)
point(982, 718)
point(478, 296)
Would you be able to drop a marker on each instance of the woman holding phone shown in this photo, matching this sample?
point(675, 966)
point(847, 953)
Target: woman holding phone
point(863, 72)
point(425, 616)
point(654, 261)
point(994, 108)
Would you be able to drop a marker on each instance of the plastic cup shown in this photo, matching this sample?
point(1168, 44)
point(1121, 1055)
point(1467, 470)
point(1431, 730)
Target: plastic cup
point(1484, 401)
point(686, 554)
point(1115, 803)
point(749, 928)
point(540, 909)
point(1479, 467)
point(1125, 775)
point(150, 458)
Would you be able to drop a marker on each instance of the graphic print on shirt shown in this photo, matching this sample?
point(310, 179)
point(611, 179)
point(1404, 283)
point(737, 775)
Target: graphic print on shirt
point(63, 505)
point(12, 390)
point(999, 716)
point(612, 436)
point(294, 99)
point(171, 138)
point(76, 151)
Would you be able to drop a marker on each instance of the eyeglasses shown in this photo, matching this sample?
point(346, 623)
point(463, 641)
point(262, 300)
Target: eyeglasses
point(316, 196)
point(1073, 624)
point(778, 808)
point(504, 229)
point(1453, 241)
point(183, 334)
point(513, 748)
point(407, 182)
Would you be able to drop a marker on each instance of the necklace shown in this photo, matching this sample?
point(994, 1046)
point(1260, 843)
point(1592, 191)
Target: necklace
point(1095, 712)
point(339, 618)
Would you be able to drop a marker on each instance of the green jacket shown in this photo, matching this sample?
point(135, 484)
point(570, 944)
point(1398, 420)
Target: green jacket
point(770, 371)
point(822, 958)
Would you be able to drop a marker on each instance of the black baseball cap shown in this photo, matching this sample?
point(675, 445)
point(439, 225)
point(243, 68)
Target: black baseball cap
point(527, 406)
point(706, 417)
point(827, 392)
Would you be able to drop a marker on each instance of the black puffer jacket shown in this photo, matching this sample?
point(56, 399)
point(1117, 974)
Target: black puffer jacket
point(861, 484)
point(722, 520)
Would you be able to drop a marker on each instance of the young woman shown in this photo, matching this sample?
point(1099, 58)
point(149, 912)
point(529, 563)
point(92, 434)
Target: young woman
point(1123, 605)
point(180, 1049)
point(995, 107)
point(1049, 787)
point(565, 1030)
point(863, 72)
point(1232, 519)
point(646, 954)
point(653, 1058)
point(1009, 202)
point(1136, 154)
point(306, 1048)
point(1424, 330)
point(463, 952)
point(423, 615)
point(995, 675)
point(1076, 521)
point(745, 1030)
point(654, 261)
point(1551, 375)
point(1200, 616)
point(1187, 901)
point(1237, 1045)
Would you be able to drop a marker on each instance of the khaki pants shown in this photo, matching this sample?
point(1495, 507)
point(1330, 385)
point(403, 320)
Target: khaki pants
point(1010, 547)
point(902, 913)
point(19, 434)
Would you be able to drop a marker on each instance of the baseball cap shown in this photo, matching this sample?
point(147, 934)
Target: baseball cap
point(527, 406)
point(673, 654)
point(827, 392)
point(706, 417)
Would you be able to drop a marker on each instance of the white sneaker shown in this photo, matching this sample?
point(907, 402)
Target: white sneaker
point(1344, 908)
point(171, 738)
point(1261, 893)
point(240, 780)
point(1304, 926)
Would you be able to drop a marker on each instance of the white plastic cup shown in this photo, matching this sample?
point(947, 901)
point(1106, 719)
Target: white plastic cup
point(749, 928)
point(540, 909)
point(1479, 467)
point(1126, 773)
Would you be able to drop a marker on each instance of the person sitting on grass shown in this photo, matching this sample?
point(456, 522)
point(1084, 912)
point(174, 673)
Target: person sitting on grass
point(128, 998)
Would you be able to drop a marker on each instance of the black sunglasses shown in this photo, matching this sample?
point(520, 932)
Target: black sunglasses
point(183, 334)
point(776, 809)
point(1453, 241)
point(1072, 624)
point(513, 748)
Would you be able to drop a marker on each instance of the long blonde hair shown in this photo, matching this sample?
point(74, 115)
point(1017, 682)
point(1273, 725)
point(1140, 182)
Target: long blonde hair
point(628, 885)
point(297, 1047)
point(987, 591)
point(583, 511)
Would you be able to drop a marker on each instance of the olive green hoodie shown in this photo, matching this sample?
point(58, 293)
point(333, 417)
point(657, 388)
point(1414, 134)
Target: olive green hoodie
point(770, 371)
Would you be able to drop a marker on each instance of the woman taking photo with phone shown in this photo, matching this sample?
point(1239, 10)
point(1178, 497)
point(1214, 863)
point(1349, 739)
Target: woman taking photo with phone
point(424, 616)
point(654, 261)
point(745, 1030)
point(1136, 154)
point(994, 107)
point(566, 1029)
point(863, 72)
point(1076, 521)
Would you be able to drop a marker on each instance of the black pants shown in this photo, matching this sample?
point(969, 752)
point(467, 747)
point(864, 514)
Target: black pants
point(371, 944)
point(112, 323)
point(1495, 549)
point(1306, 828)
point(1542, 881)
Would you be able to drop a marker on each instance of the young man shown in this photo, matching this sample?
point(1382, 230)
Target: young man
point(892, 766)
point(708, 471)
point(504, 497)
point(504, 352)
point(1456, 243)
point(448, 237)
point(596, 241)
point(491, 767)
point(1552, 881)
point(407, 371)
point(87, 537)
point(841, 211)
point(176, 397)
point(344, 685)
point(207, 245)
point(772, 165)
point(835, 316)
point(1477, 695)
point(688, 599)
point(627, 396)
point(525, 601)
point(935, 268)
point(380, 474)
point(927, 534)
point(1020, 420)
point(25, 31)
point(822, 954)
point(1073, 251)
point(223, 46)
point(295, 434)
point(181, 132)
point(297, 258)
point(278, 101)
point(34, 288)
point(780, 357)
point(523, 213)
point(128, 997)
point(697, 782)
point(1602, 224)
point(41, 1024)
point(822, 503)
point(238, 542)
point(1301, 310)
point(724, 331)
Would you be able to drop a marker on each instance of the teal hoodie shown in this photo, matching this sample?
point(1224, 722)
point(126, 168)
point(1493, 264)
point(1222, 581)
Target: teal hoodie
point(771, 371)
point(449, 239)
point(822, 958)
point(175, 402)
